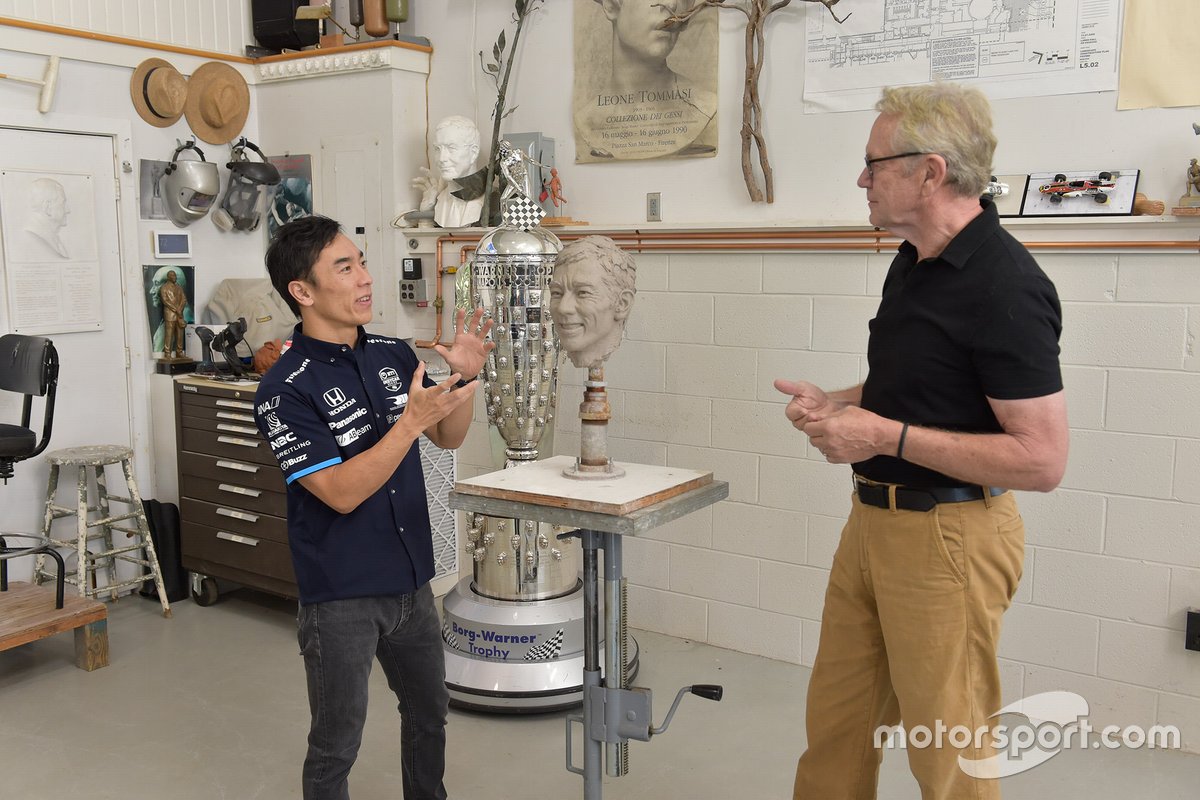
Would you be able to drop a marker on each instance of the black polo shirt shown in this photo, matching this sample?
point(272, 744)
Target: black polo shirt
point(980, 320)
point(322, 404)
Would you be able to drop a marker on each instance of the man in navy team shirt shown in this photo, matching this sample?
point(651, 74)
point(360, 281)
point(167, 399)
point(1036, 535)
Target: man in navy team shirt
point(342, 410)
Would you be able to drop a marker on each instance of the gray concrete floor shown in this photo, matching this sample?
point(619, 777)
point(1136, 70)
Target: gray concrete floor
point(211, 704)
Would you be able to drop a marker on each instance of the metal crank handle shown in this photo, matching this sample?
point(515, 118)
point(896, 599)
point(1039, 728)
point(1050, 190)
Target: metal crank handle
point(709, 691)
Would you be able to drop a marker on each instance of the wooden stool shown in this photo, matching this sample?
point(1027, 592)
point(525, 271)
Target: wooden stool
point(92, 460)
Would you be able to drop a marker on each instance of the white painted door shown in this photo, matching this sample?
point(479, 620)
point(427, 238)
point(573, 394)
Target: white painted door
point(93, 403)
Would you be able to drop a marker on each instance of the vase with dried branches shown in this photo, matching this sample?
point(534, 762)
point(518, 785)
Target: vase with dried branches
point(753, 139)
point(499, 69)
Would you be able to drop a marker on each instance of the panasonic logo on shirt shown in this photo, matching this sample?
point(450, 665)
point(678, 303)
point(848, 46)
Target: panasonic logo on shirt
point(341, 423)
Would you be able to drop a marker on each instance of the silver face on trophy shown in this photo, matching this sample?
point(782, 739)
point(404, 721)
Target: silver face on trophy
point(591, 294)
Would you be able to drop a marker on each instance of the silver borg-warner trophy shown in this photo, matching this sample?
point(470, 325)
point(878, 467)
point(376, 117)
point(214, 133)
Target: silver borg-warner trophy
point(510, 278)
point(513, 632)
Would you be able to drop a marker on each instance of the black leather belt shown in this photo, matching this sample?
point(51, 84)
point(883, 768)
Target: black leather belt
point(921, 499)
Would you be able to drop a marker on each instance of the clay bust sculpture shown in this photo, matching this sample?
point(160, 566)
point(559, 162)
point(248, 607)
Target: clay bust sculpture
point(173, 300)
point(591, 294)
point(48, 213)
point(452, 193)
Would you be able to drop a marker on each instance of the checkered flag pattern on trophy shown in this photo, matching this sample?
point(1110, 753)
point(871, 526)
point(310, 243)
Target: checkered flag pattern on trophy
point(522, 213)
point(548, 649)
point(448, 637)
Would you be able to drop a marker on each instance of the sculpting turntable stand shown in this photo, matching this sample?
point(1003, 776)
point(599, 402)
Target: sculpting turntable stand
point(603, 511)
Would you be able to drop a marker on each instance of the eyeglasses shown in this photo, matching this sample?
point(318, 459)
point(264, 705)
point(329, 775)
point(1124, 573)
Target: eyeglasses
point(871, 162)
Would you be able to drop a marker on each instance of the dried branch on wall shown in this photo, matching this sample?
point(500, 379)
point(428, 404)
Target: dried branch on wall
point(753, 140)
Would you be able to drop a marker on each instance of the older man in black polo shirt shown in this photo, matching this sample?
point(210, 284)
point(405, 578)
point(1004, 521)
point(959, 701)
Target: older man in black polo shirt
point(964, 396)
point(343, 410)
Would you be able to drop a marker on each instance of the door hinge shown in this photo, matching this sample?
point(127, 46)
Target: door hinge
point(128, 359)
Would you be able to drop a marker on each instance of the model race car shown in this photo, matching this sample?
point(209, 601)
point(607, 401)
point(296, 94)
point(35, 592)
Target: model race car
point(995, 188)
point(1061, 187)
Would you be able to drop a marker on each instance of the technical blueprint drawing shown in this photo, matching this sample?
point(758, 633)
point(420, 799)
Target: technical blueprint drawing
point(1009, 48)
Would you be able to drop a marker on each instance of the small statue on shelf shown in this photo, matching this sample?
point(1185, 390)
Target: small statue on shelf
point(173, 300)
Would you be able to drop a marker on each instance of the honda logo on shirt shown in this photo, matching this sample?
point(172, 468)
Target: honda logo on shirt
point(335, 396)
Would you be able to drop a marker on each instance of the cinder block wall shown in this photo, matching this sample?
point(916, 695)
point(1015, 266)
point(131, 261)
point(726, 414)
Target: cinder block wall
point(1113, 556)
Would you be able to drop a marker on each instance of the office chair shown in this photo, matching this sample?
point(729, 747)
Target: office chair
point(28, 366)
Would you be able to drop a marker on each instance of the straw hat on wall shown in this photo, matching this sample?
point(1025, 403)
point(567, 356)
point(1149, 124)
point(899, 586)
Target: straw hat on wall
point(159, 92)
point(218, 102)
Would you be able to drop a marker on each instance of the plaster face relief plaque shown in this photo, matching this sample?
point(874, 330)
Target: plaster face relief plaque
point(591, 294)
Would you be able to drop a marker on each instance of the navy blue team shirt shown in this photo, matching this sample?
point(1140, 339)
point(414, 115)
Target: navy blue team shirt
point(321, 404)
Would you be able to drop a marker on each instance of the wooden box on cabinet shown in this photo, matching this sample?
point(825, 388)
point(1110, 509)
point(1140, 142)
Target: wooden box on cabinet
point(232, 497)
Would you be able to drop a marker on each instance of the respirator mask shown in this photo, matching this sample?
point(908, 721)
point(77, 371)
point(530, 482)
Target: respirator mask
point(188, 188)
point(247, 193)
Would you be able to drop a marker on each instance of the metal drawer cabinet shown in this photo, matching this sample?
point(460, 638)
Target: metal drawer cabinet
point(232, 497)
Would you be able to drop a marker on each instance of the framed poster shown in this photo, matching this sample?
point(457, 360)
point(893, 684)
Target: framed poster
point(150, 202)
point(293, 194)
point(153, 278)
point(643, 90)
point(1080, 193)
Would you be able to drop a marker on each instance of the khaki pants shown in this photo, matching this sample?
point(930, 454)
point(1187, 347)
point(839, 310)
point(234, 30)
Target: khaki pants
point(909, 633)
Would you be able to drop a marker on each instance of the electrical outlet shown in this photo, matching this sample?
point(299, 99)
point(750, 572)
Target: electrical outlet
point(1192, 640)
point(415, 292)
point(653, 206)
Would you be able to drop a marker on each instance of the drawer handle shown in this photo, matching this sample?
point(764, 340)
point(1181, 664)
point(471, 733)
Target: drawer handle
point(237, 466)
point(222, 426)
point(238, 442)
point(233, 537)
point(235, 404)
point(228, 487)
point(242, 515)
point(235, 417)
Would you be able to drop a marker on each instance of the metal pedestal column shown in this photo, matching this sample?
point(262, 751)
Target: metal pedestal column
point(599, 751)
point(613, 713)
point(593, 764)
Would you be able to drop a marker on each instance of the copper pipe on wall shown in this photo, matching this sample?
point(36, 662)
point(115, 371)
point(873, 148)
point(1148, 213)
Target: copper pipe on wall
point(767, 241)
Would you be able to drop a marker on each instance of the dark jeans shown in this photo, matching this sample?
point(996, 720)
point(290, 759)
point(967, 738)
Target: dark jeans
point(338, 640)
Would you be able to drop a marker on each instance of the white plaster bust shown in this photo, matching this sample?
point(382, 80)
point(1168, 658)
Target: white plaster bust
point(591, 294)
point(455, 151)
point(48, 213)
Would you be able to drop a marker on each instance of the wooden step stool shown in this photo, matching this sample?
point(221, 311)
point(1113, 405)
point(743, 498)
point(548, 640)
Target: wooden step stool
point(27, 613)
point(91, 460)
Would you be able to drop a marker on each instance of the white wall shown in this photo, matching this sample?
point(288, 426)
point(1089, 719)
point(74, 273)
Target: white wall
point(1113, 557)
point(96, 91)
point(816, 157)
point(221, 26)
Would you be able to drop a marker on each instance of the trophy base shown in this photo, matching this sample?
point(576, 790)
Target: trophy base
point(1186, 211)
point(586, 472)
point(483, 675)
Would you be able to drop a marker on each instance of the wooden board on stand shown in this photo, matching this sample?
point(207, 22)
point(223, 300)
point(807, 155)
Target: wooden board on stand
point(543, 483)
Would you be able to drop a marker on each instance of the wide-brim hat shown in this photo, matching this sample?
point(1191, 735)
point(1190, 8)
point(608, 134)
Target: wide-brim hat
point(218, 102)
point(159, 92)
